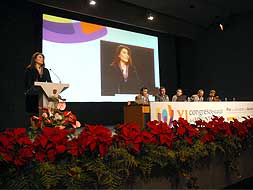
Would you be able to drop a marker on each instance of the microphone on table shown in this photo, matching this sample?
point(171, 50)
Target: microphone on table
point(56, 75)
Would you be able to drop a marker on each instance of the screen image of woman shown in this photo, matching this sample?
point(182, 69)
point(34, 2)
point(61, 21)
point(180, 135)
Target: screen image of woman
point(122, 75)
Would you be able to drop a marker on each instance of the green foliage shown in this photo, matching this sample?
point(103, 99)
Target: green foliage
point(103, 177)
point(154, 160)
point(232, 148)
point(17, 178)
point(49, 175)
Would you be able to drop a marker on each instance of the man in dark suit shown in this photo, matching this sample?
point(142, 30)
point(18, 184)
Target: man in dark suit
point(162, 96)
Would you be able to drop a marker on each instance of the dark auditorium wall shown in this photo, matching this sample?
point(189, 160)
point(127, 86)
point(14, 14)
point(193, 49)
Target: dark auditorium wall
point(19, 40)
point(219, 60)
point(185, 64)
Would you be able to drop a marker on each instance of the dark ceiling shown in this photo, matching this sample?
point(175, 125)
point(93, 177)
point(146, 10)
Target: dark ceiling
point(201, 13)
point(187, 18)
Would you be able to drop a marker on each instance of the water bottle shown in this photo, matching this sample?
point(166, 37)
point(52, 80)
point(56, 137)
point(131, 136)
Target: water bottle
point(226, 99)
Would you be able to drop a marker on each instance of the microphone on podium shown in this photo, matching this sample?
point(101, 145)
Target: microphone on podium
point(55, 75)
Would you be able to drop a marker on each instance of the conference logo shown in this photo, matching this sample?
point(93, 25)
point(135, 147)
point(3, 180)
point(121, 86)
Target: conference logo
point(168, 115)
point(165, 115)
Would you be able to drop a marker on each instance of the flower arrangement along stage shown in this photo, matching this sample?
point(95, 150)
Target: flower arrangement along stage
point(51, 154)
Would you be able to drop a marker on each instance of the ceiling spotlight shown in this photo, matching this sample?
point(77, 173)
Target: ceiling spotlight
point(150, 16)
point(221, 27)
point(92, 2)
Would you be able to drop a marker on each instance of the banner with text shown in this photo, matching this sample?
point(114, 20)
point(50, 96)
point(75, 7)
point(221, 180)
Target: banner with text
point(193, 111)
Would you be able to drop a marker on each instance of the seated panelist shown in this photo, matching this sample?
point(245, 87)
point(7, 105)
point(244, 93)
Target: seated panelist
point(162, 96)
point(143, 97)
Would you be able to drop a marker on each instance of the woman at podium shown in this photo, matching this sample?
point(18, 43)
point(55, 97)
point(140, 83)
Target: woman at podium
point(35, 71)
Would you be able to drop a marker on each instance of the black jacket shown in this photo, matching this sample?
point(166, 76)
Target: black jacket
point(31, 92)
point(114, 83)
point(32, 75)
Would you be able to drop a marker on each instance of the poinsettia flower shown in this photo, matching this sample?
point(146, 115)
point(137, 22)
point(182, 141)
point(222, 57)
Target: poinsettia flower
point(240, 129)
point(148, 138)
point(207, 138)
point(191, 131)
point(15, 146)
point(129, 135)
point(74, 147)
point(181, 131)
point(162, 131)
point(50, 143)
point(94, 137)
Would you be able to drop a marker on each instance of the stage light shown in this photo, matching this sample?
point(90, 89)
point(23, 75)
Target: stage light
point(150, 16)
point(221, 27)
point(92, 2)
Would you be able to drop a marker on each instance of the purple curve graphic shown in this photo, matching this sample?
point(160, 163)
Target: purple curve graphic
point(64, 34)
point(61, 28)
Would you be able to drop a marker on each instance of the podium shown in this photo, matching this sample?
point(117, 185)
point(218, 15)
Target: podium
point(138, 114)
point(49, 92)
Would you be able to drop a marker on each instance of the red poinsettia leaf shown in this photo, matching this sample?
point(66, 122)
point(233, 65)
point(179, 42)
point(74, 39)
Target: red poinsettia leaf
point(51, 155)
point(152, 124)
point(102, 150)
point(166, 139)
point(188, 140)
point(181, 130)
point(18, 162)
point(7, 156)
point(138, 139)
point(56, 138)
point(93, 145)
point(74, 152)
point(47, 131)
point(90, 139)
point(60, 148)
point(26, 152)
point(147, 137)
point(24, 140)
point(50, 145)
point(66, 113)
point(136, 148)
point(43, 141)
point(5, 141)
point(125, 132)
point(40, 156)
point(175, 123)
point(19, 131)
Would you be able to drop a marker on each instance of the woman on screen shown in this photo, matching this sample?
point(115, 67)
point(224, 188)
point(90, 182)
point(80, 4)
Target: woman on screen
point(123, 77)
point(35, 71)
